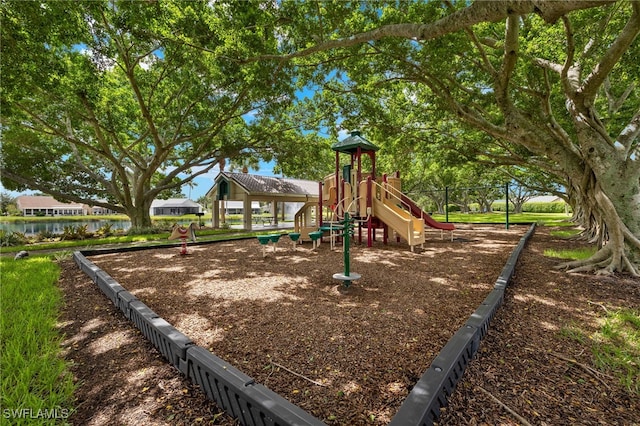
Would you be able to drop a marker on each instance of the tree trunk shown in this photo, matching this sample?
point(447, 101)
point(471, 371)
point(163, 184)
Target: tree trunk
point(140, 216)
point(608, 194)
point(517, 207)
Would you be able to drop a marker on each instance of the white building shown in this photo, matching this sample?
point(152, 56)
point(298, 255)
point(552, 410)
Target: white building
point(174, 207)
point(42, 205)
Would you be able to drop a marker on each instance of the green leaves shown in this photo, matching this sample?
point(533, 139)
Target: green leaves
point(125, 99)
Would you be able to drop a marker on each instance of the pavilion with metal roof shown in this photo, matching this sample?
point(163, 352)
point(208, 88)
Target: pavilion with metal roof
point(248, 188)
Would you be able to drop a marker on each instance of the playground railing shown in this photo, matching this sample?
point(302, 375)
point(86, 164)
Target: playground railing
point(306, 219)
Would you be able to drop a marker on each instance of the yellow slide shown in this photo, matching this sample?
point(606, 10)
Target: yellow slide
point(401, 221)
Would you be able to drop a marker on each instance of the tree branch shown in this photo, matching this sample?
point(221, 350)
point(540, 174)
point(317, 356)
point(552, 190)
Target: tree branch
point(544, 63)
point(477, 12)
point(553, 124)
point(628, 137)
point(614, 104)
point(65, 195)
point(620, 45)
point(508, 63)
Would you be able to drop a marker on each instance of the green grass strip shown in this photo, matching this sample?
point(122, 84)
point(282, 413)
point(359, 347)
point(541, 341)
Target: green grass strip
point(202, 235)
point(565, 233)
point(549, 219)
point(571, 254)
point(617, 347)
point(36, 386)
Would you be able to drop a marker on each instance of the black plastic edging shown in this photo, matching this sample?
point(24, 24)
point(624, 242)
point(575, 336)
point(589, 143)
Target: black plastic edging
point(239, 395)
point(109, 286)
point(510, 267)
point(431, 393)
point(235, 392)
point(85, 265)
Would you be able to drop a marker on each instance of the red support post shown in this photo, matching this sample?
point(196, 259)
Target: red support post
point(359, 171)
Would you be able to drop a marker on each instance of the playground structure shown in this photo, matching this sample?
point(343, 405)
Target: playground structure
point(374, 202)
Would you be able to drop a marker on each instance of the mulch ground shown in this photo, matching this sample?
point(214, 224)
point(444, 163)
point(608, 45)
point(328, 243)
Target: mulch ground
point(348, 357)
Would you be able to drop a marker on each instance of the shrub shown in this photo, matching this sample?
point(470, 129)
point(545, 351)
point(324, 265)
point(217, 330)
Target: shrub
point(45, 235)
point(163, 225)
point(141, 230)
point(12, 210)
point(75, 232)
point(557, 207)
point(500, 207)
point(146, 230)
point(9, 238)
point(105, 230)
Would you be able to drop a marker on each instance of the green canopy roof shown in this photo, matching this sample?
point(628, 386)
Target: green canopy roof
point(352, 143)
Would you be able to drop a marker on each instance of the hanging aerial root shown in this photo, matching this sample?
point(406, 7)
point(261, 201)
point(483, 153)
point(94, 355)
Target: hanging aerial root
point(632, 269)
point(603, 262)
point(628, 235)
point(599, 256)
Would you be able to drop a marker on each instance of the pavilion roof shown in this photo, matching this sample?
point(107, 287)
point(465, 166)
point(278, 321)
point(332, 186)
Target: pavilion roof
point(256, 184)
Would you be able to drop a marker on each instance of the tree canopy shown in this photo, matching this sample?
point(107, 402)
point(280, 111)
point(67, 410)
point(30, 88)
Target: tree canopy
point(550, 84)
point(107, 103)
point(121, 99)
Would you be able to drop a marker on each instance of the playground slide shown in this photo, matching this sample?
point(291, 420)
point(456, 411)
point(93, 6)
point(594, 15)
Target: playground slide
point(417, 212)
point(408, 227)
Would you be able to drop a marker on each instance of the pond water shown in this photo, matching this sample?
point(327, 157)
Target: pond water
point(31, 228)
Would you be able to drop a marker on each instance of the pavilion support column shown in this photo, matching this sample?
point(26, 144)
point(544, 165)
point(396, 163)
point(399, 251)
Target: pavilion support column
point(215, 215)
point(246, 212)
point(274, 211)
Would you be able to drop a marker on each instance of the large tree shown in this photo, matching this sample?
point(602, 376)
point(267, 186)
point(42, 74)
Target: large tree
point(107, 102)
point(552, 80)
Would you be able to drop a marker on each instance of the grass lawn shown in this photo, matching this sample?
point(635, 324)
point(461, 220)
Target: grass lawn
point(574, 254)
point(618, 347)
point(566, 233)
point(36, 386)
point(551, 219)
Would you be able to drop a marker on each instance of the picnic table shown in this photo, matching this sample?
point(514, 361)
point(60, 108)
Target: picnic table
point(263, 219)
